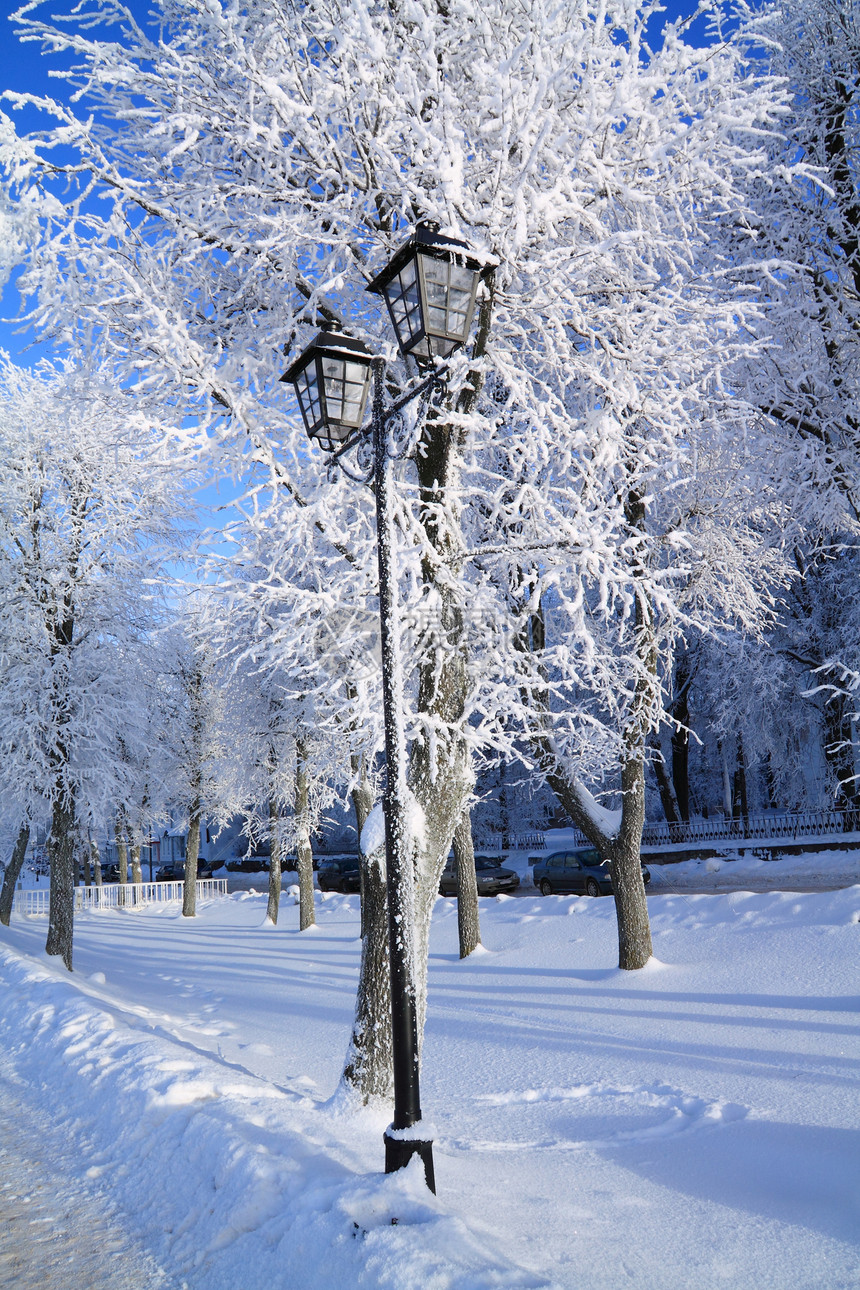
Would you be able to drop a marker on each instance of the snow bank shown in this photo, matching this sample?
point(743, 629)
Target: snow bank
point(812, 869)
point(235, 1183)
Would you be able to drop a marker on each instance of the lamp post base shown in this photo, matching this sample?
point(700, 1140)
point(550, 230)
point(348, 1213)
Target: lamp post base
point(399, 1151)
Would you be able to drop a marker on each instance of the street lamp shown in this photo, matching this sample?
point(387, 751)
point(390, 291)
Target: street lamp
point(430, 287)
point(331, 377)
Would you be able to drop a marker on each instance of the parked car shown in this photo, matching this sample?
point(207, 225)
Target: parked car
point(339, 875)
point(581, 871)
point(254, 864)
point(176, 872)
point(492, 877)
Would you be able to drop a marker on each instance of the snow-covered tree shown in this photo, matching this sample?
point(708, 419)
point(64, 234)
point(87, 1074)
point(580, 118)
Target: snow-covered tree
point(88, 517)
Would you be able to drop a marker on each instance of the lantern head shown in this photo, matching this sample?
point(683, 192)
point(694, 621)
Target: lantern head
point(331, 378)
point(430, 286)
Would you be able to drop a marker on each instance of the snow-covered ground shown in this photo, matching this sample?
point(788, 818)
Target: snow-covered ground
point(692, 1125)
point(813, 870)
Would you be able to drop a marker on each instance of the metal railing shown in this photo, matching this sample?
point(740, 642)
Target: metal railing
point(750, 828)
point(115, 895)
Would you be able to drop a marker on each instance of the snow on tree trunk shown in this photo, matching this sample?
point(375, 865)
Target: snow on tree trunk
point(192, 850)
point(136, 875)
point(121, 848)
point(368, 1069)
point(10, 877)
point(121, 855)
point(97, 863)
point(304, 854)
point(440, 772)
point(86, 866)
point(61, 853)
point(468, 922)
point(274, 863)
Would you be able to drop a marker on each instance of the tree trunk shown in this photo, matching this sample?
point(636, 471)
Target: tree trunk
point(468, 924)
point(121, 847)
point(136, 875)
point(274, 862)
point(625, 868)
point(742, 809)
point(681, 736)
point(839, 751)
point(304, 854)
point(368, 1068)
point(664, 785)
point(727, 785)
point(623, 851)
point(61, 852)
point(504, 810)
point(86, 865)
point(97, 862)
point(13, 869)
point(192, 850)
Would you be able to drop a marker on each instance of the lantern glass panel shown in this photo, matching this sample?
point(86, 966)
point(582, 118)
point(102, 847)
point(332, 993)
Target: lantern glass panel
point(450, 293)
point(401, 294)
point(345, 385)
point(309, 397)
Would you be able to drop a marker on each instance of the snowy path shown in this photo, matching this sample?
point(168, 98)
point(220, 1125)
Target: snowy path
point(54, 1233)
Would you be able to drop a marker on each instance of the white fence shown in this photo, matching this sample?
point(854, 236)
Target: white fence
point(115, 895)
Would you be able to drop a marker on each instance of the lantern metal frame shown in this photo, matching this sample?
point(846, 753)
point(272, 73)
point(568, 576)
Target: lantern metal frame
point(430, 286)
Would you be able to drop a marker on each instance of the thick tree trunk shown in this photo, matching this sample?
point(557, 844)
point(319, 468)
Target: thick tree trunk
point(61, 852)
point(274, 862)
point(468, 923)
point(368, 1069)
point(13, 869)
point(625, 868)
point(304, 854)
point(192, 851)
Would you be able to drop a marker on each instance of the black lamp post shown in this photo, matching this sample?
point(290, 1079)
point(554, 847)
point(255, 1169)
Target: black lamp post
point(430, 287)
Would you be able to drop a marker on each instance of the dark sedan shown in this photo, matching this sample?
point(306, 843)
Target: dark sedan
point(175, 872)
point(339, 875)
point(581, 872)
point(492, 878)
